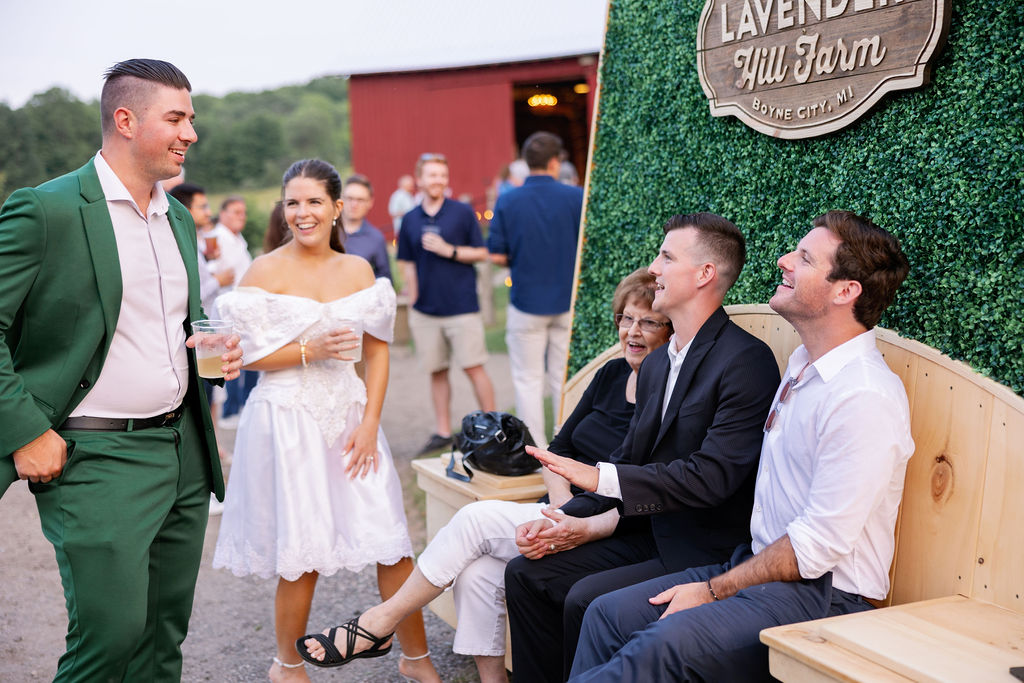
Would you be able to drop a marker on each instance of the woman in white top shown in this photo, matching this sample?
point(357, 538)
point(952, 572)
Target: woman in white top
point(313, 488)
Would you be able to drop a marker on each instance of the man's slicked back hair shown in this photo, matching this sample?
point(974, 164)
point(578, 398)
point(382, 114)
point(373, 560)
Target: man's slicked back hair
point(127, 83)
point(722, 241)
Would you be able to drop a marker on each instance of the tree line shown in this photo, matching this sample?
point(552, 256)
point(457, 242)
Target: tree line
point(246, 140)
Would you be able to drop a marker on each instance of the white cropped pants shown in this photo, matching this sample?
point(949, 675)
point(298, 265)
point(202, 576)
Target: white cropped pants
point(472, 550)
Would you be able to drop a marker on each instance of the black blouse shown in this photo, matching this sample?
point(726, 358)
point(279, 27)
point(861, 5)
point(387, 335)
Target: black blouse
point(600, 420)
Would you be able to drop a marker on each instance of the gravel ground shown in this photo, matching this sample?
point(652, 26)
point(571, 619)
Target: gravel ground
point(231, 638)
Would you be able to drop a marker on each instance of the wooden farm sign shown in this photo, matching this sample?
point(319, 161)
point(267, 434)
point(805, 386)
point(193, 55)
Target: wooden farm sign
point(802, 68)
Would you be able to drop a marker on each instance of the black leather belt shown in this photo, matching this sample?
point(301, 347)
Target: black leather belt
point(121, 424)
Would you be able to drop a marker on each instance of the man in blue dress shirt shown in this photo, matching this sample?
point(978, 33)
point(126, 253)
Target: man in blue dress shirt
point(535, 231)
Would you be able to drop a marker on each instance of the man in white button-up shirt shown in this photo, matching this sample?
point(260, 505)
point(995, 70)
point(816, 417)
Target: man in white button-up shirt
point(828, 487)
point(102, 410)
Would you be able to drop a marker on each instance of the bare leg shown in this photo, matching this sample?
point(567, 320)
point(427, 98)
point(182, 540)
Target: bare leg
point(491, 668)
point(482, 387)
point(400, 611)
point(411, 636)
point(291, 612)
point(441, 395)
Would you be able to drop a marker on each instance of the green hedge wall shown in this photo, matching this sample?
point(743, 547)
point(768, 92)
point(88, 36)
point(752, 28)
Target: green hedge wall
point(940, 167)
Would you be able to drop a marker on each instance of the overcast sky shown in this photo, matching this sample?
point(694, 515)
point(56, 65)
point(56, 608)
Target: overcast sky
point(257, 44)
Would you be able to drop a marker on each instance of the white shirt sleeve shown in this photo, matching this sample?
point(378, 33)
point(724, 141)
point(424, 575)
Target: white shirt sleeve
point(608, 481)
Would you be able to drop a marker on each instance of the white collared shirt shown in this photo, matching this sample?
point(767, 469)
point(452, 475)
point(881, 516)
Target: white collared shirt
point(832, 467)
point(145, 372)
point(608, 476)
point(234, 254)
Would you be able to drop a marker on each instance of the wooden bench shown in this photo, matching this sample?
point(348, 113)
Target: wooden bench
point(955, 610)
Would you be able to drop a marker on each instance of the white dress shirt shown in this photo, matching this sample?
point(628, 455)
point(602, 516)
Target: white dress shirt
point(145, 372)
point(234, 253)
point(832, 467)
point(608, 476)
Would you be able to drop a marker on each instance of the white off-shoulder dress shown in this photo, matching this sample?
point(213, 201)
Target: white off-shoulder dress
point(290, 507)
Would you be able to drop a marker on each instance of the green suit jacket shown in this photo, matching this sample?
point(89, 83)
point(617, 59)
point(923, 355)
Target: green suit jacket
point(59, 301)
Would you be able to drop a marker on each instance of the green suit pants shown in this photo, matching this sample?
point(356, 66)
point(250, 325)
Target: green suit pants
point(127, 519)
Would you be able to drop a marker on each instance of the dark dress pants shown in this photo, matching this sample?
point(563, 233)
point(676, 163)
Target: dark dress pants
point(623, 638)
point(536, 590)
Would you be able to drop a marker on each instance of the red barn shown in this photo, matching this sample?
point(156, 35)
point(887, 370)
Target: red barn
point(476, 116)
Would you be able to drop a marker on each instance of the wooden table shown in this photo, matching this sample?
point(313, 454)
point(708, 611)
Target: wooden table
point(953, 639)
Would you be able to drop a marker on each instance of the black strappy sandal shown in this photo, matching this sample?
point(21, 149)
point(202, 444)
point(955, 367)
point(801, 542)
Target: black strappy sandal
point(332, 656)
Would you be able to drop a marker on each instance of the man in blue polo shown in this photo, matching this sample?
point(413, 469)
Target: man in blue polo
point(535, 231)
point(362, 238)
point(438, 244)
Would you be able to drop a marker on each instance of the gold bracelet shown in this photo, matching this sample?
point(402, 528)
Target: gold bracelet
point(302, 352)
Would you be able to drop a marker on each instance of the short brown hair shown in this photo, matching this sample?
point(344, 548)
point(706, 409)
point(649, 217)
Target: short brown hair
point(637, 285)
point(426, 158)
point(540, 148)
point(128, 83)
point(722, 240)
point(871, 256)
point(358, 179)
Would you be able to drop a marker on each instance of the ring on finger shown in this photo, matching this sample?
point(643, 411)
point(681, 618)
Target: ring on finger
point(551, 547)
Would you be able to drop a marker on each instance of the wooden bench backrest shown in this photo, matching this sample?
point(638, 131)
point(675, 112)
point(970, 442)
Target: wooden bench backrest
point(961, 524)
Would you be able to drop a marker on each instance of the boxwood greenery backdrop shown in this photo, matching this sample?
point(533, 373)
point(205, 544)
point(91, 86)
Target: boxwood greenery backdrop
point(941, 167)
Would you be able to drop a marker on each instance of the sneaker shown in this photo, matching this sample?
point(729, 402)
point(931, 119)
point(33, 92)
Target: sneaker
point(436, 442)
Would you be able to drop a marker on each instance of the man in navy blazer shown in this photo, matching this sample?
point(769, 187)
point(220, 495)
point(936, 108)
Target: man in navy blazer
point(701, 401)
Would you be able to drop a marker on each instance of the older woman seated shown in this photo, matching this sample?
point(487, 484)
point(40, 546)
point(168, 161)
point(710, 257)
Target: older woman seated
point(473, 548)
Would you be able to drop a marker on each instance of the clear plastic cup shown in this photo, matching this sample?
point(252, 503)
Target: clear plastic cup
point(211, 344)
point(356, 326)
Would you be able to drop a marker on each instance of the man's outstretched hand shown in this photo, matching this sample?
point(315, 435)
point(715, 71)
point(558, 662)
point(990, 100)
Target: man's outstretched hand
point(583, 476)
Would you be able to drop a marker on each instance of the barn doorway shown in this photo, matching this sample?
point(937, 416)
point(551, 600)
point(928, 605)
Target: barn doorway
point(558, 107)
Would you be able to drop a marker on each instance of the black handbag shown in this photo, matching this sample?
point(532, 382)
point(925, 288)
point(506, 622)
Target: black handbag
point(493, 442)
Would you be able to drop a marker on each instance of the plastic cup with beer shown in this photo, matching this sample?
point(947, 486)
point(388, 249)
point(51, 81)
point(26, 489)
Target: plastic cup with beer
point(211, 251)
point(211, 343)
point(355, 355)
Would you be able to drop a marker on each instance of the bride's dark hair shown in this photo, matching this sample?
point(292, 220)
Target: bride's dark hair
point(328, 175)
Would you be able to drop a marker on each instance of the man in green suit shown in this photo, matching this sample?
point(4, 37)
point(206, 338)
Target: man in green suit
point(101, 408)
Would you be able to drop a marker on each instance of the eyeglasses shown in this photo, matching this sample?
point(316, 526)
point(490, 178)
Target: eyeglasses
point(431, 156)
point(646, 324)
point(787, 389)
point(355, 200)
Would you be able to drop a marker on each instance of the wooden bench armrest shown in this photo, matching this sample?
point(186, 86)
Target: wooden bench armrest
point(946, 639)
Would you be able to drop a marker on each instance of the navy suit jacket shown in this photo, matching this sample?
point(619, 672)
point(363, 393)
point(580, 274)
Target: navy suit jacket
point(693, 473)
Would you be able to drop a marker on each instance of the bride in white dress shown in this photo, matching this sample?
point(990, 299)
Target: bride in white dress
point(313, 488)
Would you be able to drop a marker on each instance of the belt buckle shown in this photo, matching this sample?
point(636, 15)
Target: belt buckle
point(168, 417)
